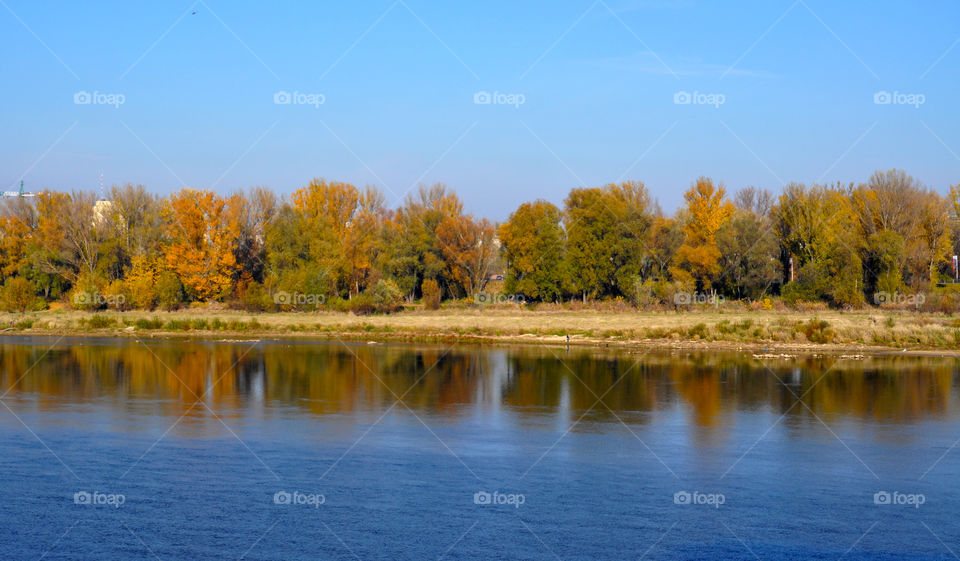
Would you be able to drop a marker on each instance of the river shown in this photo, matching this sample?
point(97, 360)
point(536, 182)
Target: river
point(280, 450)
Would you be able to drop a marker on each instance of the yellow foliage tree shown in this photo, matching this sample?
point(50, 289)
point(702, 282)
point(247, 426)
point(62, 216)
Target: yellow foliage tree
point(955, 197)
point(201, 230)
point(140, 282)
point(14, 236)
point(707, 210)
point(355, 217)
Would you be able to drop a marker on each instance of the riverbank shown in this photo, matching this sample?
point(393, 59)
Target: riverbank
point(768, 331)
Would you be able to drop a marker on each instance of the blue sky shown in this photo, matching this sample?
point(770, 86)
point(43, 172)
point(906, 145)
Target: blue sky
point(598, 81)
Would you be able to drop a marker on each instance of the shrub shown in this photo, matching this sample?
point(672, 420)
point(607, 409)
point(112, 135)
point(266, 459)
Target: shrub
point(169, 291)
point(641, 294)
point(431, 294)
point(85, 294)
point(817, 331)
point(118, 295)
point(143, 323)
point(18, 295)
point(361, 304)
point(386, 296)
point(256, 298)
point(99, 321)
point(698, 330)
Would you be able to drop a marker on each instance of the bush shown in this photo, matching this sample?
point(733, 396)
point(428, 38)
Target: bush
point(144, 323)
point(256, 298)
point(431, 294)
point(817, 331)
point(169, 291)
point(98, 321)
point(698, 331)
point(85, 294)
point(19, 295)
point(361, 304)
point(386, 296)
point(641, 293)
point(118, 295)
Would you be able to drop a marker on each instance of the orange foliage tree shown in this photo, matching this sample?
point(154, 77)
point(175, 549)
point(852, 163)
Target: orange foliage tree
point(201, 231)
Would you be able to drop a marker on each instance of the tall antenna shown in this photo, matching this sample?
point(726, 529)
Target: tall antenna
point(103, 195)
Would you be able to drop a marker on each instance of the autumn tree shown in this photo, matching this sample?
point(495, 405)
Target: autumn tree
point(910, 222)
point(533, 249)
point(363, 239)
point(16, 229)
point(255, 209)
point(707, 209)
point(929, 249)
point(666, 237)
point(201, 231)
point(607, 237)
point(413, 251)
point(749, 252)
point(133, 227)
point(955, 199)
point(818, 228)
point(469, 250)
point(353, 220)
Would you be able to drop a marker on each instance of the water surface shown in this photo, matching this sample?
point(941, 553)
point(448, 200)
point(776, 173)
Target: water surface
point(593, 455)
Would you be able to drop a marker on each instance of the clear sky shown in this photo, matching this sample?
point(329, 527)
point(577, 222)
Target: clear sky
point(785, 91)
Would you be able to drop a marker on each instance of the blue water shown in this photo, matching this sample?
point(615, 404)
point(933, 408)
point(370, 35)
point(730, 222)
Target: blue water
point(398, 481)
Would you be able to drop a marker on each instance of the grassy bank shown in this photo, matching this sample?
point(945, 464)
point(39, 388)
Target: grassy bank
point(824, 329)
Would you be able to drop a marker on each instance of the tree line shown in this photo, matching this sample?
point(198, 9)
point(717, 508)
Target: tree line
point(337, 246)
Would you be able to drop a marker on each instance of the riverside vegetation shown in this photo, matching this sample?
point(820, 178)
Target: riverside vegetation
point(736, 269)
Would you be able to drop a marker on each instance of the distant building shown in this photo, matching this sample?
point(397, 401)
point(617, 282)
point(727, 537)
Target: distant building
point(101, 210)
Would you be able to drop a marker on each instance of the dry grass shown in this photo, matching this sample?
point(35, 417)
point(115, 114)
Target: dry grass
point(820, 328)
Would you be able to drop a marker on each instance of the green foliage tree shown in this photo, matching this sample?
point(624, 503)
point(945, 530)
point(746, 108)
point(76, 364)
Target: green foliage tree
point(749, 256)
point(817, 227)
point(534, 253)
point(607, 237)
